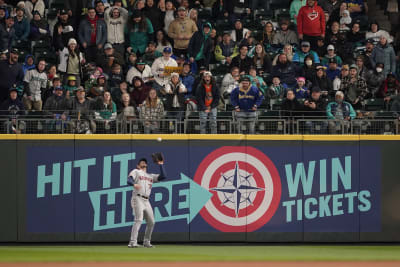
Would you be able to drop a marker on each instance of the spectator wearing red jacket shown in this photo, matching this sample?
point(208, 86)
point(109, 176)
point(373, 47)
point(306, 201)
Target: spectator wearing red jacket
point(311, 23)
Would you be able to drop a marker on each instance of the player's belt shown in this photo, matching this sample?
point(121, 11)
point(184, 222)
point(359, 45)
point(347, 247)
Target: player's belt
point(139, 195)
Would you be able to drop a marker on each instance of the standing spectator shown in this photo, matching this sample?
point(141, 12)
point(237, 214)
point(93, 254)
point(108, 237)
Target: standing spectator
point(375, 33)
point(242, 61)
point(187, 79)
point(261, 60)
point(239, 33)
point(285, 36)
point(57, 104)
point(160, 78)
point(140, 31)
point(200, 46)
point(29, 63)
point(390, 88)
point(375, 79)
point(341, 111)
point(207, 96)
point(226, 50)
point(116, 19)
point(35, 82)
point(367, 53)
point(99, 6)
point(7, 34)
point(39, 28)
point(384, 52)
point(62, 31)
point(108, 57)
point(151, 53)
point(193, 14)
point(295, 8)
point(344, 72)
point(315, 108)
point(155, 15)
point(311, 23)
point(268, 35)
point(329, 5)
point(92, 34)
point(286, 71)
point(71, 61)
point(305, 51)
point(81, 109)
point(76, 9)
point(32, 6)
point(10, 73)
point(139, 93)
point(106, 113)
point(181, 30)
point(141, 70)
point(246, 99)
point(169, 10)
point(13, 108)
point(151, 112)
point(21, 26)
point(161, 41)
point(357, 11)
point(354, 87)
point(229, 82)
point(175, 93)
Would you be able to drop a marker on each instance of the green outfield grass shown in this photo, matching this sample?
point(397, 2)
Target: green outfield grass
point(187, 252)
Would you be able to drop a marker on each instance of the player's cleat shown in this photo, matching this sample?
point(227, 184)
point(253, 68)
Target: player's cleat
point(148, 245)
point(133, 245)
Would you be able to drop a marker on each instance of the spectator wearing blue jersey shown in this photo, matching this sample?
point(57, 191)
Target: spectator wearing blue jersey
point(246, 99)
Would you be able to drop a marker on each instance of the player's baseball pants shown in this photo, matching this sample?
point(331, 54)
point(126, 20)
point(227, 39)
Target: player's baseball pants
point(141, 208)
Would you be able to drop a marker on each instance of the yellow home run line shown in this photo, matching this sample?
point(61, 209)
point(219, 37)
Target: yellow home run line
point(221, 137)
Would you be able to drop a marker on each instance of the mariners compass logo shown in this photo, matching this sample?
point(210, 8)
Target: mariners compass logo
point(245, 185)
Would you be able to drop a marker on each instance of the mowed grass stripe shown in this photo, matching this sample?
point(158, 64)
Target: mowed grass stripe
point(198, 253)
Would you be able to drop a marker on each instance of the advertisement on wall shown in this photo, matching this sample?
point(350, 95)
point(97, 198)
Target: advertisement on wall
point(209, 188)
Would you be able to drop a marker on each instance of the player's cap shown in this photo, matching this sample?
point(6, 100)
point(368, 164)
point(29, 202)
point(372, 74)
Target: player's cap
point(167, 50)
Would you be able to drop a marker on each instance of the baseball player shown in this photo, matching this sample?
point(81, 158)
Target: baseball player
point(142, 183)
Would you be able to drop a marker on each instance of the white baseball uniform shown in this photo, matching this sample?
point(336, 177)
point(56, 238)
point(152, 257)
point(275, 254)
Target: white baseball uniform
point(140, 202)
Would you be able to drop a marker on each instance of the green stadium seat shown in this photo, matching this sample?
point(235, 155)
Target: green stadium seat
point(374, 104)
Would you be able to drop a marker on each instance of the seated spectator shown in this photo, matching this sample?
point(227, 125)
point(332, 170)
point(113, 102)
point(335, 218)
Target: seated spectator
point(193, 14)
point(55, 83)
point(375, 33)
point(117, 93)
point(336, 13)
point(151, 112)
point(229, 82)
point(285, 36)
point(127, 114)
point(200, 46)
point(367, 53)
point(287, 71)
point(140, 32)
point(239, 33)
point(321, 47)
point(321, 80)
point(157, 69)
point(374, 79)
point(29, 63)
point(71, 61)
point(300, 91)
point(390, 88)
point(256, 80)
point(131, 61)
point(276, 90)
point(246, 99)
point(174, 92)
point(354, 87)
point(116, 19)
point(51, 73)
point(35, 82)
point(108, 57)
point(96, 90)
point(305, 51)
point(207, 96)
point(151, 53)
point(181, 30)
point(63, 31)
point(57, 105)
point(39, 28)
point(340, 111)
point(315, 108)
point(333, 71)
point(344, 72)
point(116, 76)
point(345, 21)
point(261, 60)
point(21, 26)
point(106, 113)
point(288, 51)
point(354, 36)
point(12, 107)
point(384, 52)
point(81, 110)
point(161, 41)
point(331, 54)
point(335, 37)
point(362, 70)
point(291, 108)
point(139, 93)
point(268, 35)
point(187, 79)
point(71, 85)
point(226, 50)
point(242, 61)
point(141, 70)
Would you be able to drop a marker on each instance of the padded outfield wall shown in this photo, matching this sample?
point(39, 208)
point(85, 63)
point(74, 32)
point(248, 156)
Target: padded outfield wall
point(73, 188)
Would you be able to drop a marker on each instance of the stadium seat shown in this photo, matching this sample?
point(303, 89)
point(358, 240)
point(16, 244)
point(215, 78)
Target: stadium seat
point(374, 104)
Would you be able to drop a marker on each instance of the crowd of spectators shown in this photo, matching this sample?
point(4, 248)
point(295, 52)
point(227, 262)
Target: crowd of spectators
point(99, 61)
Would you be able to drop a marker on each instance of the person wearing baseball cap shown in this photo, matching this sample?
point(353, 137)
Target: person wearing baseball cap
point(303, 52)
point(354, 87)
point(321, 80)
point(333, 71)
point(246, 99)
point(339, 110)
point(12, 107)
point(331, 53)
point(285, 35)
point(11, 72)
point(200, 46)
point(142, 70)
point(63, 30)
point(158, 66)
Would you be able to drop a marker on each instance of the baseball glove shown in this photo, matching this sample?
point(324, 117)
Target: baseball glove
point(157, 157)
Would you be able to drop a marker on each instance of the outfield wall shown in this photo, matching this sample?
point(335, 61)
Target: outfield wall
point(219, 188)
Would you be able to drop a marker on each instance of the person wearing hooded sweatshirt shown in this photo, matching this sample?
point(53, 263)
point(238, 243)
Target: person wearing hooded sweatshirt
point(226, 50)
point(311, 23)
point(32, 6)
point(200, 46)
point(39, 28)
point(154, 14)
point(28, 63)
point(92, 34)
point(384, 52)
point(35, 82)
point(21, 26)
point(116, 19)
point(139, 93)
point(12, 107)
point(140, 32)
point(62, 31)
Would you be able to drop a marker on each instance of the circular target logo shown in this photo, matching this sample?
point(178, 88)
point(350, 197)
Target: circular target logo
point(246, 188)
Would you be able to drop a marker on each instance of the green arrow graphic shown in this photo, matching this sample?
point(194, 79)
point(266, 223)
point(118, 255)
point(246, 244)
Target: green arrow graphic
point(196, 198)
